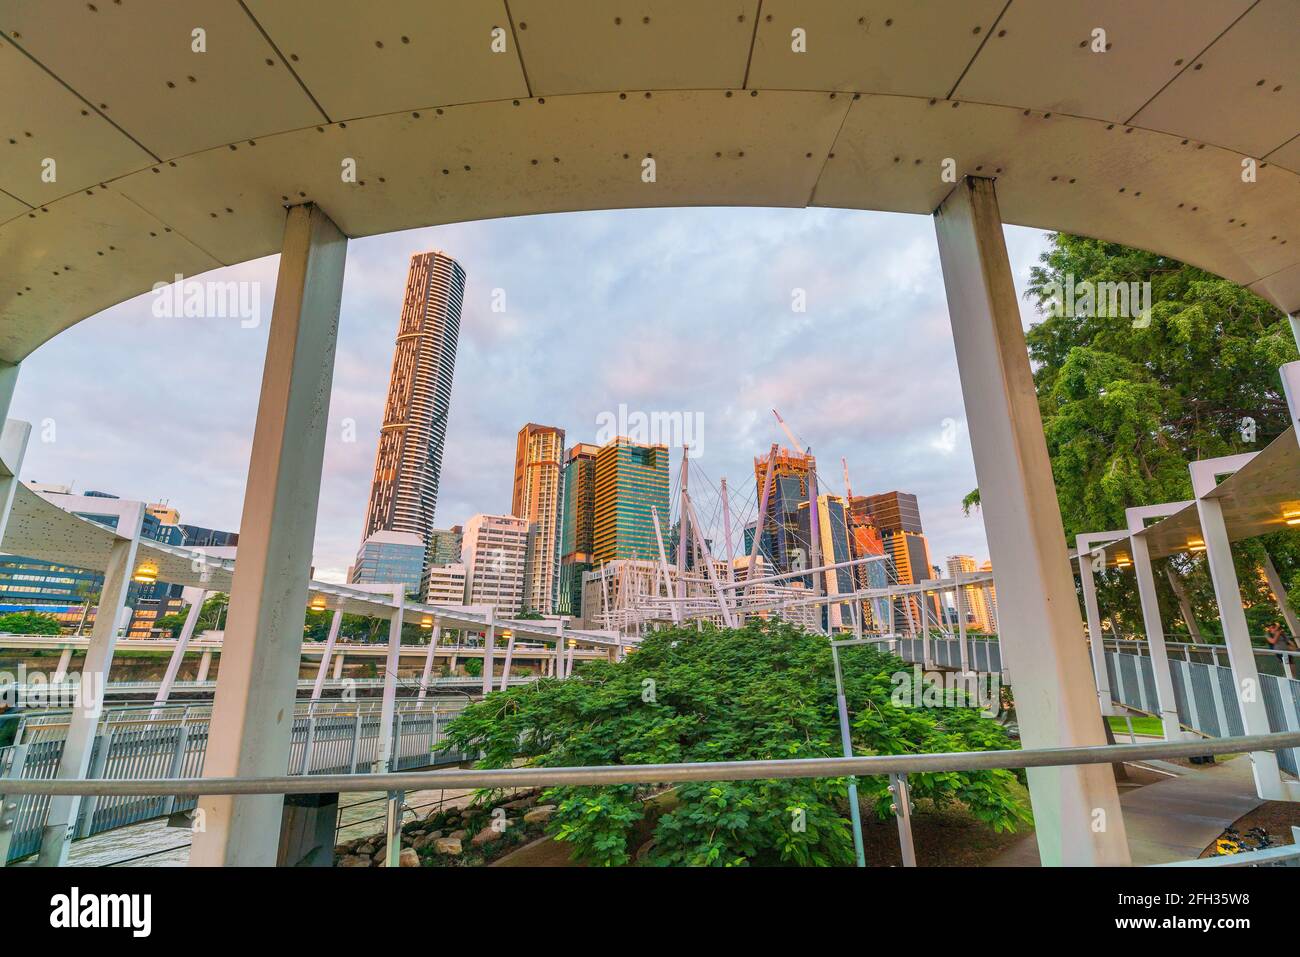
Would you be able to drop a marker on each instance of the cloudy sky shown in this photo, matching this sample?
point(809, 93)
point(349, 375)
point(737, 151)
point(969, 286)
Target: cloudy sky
point(686, 310)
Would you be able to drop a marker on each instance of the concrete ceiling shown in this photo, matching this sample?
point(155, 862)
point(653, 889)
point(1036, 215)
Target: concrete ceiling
point(173, 161)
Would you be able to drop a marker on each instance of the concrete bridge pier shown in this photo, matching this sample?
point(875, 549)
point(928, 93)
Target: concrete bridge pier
point(1077, 809)
point(252, 713)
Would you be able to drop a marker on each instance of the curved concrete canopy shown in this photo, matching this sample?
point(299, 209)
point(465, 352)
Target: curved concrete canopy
point(172, 161)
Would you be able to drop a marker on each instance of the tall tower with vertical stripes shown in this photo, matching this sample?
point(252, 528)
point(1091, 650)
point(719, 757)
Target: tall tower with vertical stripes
point(537, 495)
point(408, 464)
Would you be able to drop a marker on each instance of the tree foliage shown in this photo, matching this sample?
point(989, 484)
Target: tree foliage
point(1127, 406)
point(29, 623)
point(759, 692)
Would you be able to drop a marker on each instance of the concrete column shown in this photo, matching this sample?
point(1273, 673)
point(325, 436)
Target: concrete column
point(205, 663)
point(388, 707)
point(13, 449)
point(1154, 624)
point(1076, 809)
point(428, 661)
point(1279, 593)
point(1096, 639)
point(195, 597)
point(61, 669)
point(333, 636)
point(1236, 635)
point(338, 666)
point(83, 721)
point(959, 601)
point(510, 654)
point(252, 715)
point(489, 639)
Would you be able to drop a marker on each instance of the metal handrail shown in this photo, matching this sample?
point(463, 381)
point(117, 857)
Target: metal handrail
point(658, 773)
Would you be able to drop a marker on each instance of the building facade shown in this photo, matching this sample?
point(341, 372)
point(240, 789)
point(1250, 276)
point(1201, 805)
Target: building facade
point(536, 497)
point(898, 517)
point(390, 558)
point(408, 462)
point(444, 584)
point(631, 482)
point(577, 526)
point(785, 540)
point(494, 553)
point(444, 545)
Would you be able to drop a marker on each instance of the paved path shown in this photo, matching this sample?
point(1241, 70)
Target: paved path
point(1174, 819)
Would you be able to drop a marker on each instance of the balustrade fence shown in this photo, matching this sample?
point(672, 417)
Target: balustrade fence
point(146, 742)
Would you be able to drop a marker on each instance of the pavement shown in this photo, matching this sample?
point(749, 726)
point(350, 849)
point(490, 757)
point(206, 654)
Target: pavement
point(1174, 819)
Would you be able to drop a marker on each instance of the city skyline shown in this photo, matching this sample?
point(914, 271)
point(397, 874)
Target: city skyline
point(910, 437)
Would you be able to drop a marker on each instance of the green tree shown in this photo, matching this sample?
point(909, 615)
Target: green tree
point(212, 617)
point(1127, 405)
point(172, 623)
point(29, 623)
point(763, 691)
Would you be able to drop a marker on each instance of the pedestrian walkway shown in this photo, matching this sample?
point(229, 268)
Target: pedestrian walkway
point(1174, 819)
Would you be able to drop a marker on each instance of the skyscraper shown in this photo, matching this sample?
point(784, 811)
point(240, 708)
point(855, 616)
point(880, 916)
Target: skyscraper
point(577, 526)
point(976, 598)
point(833, 532)
point(898, 517)
point(630, 480)
point(408, 462)
point(538, 489)
point(783, 541)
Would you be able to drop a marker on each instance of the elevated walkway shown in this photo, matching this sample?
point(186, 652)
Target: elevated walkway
point(1175, 819)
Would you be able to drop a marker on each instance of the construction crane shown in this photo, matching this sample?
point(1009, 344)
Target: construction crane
point(848, 487)
point(794, 439)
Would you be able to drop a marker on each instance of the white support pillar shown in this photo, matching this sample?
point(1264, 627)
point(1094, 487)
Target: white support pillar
point(1151, 618)
point(1236, 634)
point(61, 669)
point(339, 660)
point(559, 649)
point(205, 665)
point(510, 656)
point(1279, 595)
point(489, 639)
point(388, 706)
point(83, 721)
point(959, 602)
point(428, 661)
point(195, 597)
point(336, 622)
point(1096, 640)
point(252, 713)
point(13, 449)
point(1037, 609)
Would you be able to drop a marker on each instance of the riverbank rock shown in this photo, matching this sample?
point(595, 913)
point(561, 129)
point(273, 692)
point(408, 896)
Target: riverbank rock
point(487, 836)
point(353, 860)
point(540, 814)
point(448, 845)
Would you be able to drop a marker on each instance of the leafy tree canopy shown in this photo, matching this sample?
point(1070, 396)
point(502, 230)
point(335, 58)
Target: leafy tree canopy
point(29, 623)
point(1127, 405)
point(763, 691)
